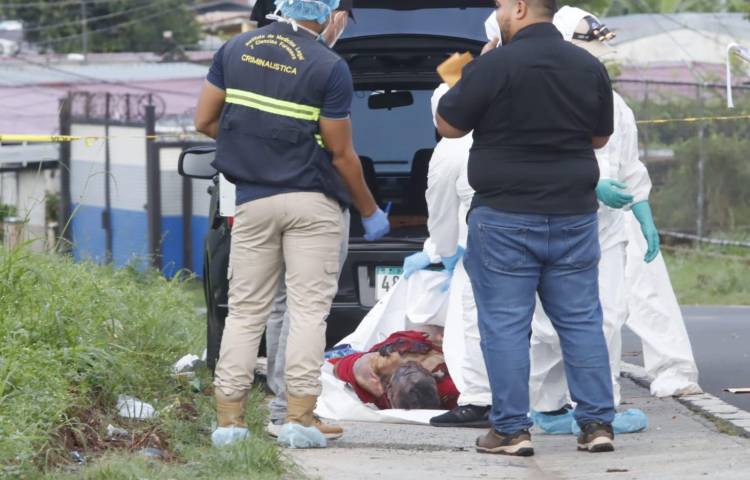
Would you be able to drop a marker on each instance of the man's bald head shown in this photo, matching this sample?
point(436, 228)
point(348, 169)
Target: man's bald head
point(514, 15)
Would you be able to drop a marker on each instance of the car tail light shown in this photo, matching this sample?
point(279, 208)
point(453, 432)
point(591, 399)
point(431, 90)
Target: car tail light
point(230, 221)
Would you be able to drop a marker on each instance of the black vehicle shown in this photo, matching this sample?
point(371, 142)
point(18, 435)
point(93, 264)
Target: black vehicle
point(393, 50)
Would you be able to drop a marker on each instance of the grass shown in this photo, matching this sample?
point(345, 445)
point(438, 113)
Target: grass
point(710, 276)
point(77, 335)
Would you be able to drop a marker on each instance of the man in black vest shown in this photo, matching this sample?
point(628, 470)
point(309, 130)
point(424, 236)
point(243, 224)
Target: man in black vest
point(538, 106)
point(277, 100)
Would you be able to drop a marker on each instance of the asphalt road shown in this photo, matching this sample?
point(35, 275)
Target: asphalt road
point(721, 344)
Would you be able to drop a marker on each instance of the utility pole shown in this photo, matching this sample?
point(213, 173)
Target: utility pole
point(701, 200)
point(84, 30)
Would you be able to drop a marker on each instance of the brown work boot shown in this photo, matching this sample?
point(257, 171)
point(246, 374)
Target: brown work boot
point(300, 410)
point(329, 430)
point(596, 437)
point(230, 409)
point(517, 444)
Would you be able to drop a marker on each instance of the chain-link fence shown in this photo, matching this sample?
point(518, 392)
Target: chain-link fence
point(699, 159)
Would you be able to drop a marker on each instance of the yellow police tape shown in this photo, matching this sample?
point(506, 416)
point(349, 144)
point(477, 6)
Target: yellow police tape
point(24, 138)
point(692, 120)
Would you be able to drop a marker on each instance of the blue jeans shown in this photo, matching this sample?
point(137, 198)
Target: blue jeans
point(511, 257)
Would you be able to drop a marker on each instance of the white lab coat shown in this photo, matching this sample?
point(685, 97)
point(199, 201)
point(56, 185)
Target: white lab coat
point(619, 160)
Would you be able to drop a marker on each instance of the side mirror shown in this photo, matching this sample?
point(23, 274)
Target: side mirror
point(195, 162)
point(389, 100)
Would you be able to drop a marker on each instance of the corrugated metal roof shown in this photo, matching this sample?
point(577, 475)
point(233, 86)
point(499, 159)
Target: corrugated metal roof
point(20, 73)
point(634, 27)
point(23, 155)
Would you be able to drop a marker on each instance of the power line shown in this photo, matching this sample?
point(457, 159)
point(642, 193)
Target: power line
point(41, 27)
point(102, 81)
point(62, 3)
point(108, 28)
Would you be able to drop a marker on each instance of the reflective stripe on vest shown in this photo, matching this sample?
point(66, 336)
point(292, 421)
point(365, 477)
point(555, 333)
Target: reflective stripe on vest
point(319, 139)
point(272, 105)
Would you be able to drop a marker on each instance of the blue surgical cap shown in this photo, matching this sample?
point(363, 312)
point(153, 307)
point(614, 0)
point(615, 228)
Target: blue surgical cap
point(317, 10)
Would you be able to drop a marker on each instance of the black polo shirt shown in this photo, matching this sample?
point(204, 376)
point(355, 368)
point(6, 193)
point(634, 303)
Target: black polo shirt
point(534, 106)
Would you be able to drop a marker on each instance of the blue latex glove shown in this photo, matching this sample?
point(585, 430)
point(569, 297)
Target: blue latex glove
point(451, 262)
point(376, 226)
point(227, 435)
point(613, 193)
point(297, 436)
point(642, 212)
point(416, 262)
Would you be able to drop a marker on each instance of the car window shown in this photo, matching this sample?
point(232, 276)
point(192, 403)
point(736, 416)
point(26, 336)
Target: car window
point(392, 137)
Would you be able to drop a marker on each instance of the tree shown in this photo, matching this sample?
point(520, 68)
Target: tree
point(110, 26)
point(624, 7)
point(597, 7)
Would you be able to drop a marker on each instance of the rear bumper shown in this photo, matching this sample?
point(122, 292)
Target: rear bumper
point(343, 320)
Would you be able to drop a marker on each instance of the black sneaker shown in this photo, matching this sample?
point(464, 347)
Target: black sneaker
point(517, 444)
point(596, 437)
point(467, 416)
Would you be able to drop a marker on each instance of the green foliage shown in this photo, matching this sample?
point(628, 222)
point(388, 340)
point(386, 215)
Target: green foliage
point(114, 26)
point(7, 211)
point(727, 176)
point(625, 7)
point(597, 7)
point(727, 173)
point(707, 276)
point(77, 335)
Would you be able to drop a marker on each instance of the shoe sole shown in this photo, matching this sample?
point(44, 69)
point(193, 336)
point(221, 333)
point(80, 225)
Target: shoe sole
point(598, 445)
point(522, 449)
point(475, 424)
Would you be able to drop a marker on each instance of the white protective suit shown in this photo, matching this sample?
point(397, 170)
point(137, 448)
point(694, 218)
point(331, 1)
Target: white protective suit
point(449, 197)
point(631, 290)
point(619, 161)
point(627, 285)
point(654, 315)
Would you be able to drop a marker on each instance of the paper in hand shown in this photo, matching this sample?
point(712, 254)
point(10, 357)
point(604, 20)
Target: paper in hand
point(450, 70)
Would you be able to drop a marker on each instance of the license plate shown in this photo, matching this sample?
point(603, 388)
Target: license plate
point(385, 279)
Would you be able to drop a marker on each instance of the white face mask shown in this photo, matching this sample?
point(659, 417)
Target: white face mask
point(335, 28)
point(492, 28)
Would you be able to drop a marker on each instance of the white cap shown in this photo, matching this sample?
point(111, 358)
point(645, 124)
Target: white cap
point(584, 29)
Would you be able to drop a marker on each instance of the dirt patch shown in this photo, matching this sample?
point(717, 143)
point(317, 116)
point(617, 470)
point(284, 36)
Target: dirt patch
point(84, 435)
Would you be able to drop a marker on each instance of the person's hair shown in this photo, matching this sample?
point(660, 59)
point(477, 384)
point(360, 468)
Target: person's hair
point(545, 8)
point(412, 387)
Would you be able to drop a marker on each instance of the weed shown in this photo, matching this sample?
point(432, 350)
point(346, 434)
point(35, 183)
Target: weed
point(77, 335)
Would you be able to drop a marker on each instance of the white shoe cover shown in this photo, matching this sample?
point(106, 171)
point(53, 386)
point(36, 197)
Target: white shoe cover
point(227, 435)
point(293, 435)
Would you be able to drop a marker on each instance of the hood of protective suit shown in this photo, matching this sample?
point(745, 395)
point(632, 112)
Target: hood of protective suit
point(585, 30)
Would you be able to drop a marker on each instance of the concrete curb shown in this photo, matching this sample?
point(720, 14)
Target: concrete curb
point(726, 416)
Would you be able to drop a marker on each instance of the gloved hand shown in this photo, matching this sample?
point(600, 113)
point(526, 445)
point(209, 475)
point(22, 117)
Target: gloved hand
point(642, 212)
point(376, 226)
point(416, 262)
point(227, 435)
point(612, 193)
point(451, 262)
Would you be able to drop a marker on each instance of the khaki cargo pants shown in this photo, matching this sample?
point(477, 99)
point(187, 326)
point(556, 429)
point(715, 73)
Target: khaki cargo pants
point(301, 231)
